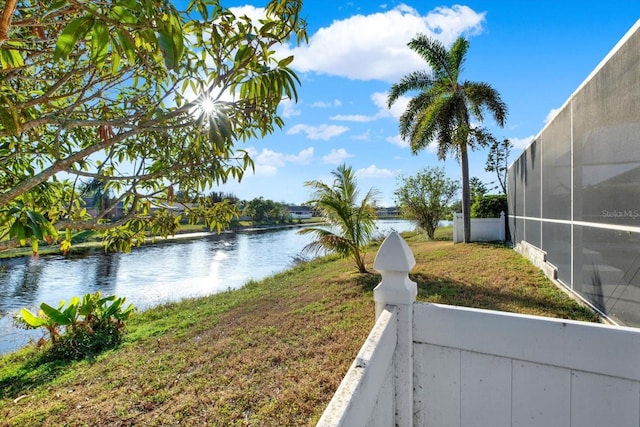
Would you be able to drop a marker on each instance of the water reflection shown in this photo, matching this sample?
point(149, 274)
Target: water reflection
point(150, 275)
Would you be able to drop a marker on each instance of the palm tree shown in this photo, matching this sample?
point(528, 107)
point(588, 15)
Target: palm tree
point(351, 224)
point(443, 109)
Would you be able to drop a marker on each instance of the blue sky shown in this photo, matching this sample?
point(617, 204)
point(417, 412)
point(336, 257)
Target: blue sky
point(535, 53)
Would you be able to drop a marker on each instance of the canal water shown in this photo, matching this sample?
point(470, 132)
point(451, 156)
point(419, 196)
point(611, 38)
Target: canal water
point(150, 275)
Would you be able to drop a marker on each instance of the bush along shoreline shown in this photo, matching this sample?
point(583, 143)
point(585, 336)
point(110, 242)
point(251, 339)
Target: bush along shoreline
point(83, 328)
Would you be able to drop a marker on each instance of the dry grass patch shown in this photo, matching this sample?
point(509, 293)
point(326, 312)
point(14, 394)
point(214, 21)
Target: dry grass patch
point(272, 353)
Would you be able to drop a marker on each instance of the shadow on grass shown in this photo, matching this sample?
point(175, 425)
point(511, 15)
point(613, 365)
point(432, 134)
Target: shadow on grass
point(38, 368)
point(444, 290)
point(447, 291)
point(33, 373)
point(368, 281)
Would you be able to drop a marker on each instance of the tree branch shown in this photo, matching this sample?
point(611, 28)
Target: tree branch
point(5, 20)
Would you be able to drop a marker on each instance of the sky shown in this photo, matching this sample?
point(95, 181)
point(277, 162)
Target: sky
point(534, 53)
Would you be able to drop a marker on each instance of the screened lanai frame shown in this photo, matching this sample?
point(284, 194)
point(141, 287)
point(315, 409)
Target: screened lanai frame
point(574, 193)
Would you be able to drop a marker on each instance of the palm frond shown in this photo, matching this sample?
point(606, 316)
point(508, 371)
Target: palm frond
point(482, 95)
point(350, 224)
point(456, 57)
point(327, 242)
point(433, 52)
point(415, 81)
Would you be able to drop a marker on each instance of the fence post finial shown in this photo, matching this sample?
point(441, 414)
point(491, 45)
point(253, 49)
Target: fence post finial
point(394, 261)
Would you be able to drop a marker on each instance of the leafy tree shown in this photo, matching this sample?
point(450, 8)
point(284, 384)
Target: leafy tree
point(489, 206)
point(425, 198)
point(139, 95)
point(477, 189)
point(443, 109)
point(456, 206)
point(351, 222)
point(497, 161)
point(219, 196)
point(266, 211)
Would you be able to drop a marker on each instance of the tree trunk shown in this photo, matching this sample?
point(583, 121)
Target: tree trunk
point(431, 232)
point(466, 194)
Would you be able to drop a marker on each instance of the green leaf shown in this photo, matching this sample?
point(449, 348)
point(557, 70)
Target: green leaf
point(19, 232)
point(122, 15)
point(88, 304)
point(71, 312)
point(115, 63)
point(31, 319)
point(165, 43)
point(99, 43)
point(36, 224)
point(10, 58)
point(74, 31)
point(56, 5)
point(56, 315)
point(286, 61)
point(10, 116)
point(113, 308)
point(171, 44)
point(126, 45)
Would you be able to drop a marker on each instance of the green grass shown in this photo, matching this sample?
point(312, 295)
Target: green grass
point(271, 353)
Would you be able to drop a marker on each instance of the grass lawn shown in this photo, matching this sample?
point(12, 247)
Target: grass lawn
point(271, 353)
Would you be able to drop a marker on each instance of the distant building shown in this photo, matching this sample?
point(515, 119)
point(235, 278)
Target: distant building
point(388, 212)
point(90, 203)
point(300, 212)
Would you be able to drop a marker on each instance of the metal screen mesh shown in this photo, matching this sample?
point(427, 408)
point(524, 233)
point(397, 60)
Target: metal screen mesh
point(575, 191)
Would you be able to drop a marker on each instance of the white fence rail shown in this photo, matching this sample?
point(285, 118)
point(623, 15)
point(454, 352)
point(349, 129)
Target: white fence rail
point(478, 367)
point(469, 367)
point(366, 395)
point(482, 229)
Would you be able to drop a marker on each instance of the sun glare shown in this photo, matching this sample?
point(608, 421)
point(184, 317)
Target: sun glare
point(207, 106)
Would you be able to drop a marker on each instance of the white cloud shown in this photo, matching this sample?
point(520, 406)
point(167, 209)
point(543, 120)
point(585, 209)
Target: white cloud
point(267, 162)
point(521, 143)
point(289, 108)
point(551, 115)
point(379, 99)
point(398, 107)
point(363, 136)
point(323, 132)
point(323, 104)
point(304, 157)
point(397, 140)
point(361, 118)
point(335, 157)
point(375, 172)
point(374, 47)
point(254, 13)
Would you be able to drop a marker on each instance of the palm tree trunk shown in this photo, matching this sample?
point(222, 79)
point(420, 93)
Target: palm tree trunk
point(360, 262)
point(466, 193)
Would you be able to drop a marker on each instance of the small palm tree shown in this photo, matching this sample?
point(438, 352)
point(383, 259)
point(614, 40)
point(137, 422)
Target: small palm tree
point(443, 108)
point(351, 224)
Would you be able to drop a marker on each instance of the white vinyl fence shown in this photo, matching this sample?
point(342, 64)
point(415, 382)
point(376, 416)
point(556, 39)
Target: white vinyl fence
point(482, 229)
point(438, 365)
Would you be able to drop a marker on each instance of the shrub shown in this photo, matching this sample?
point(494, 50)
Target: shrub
point(83, 328)
point(489, 206)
